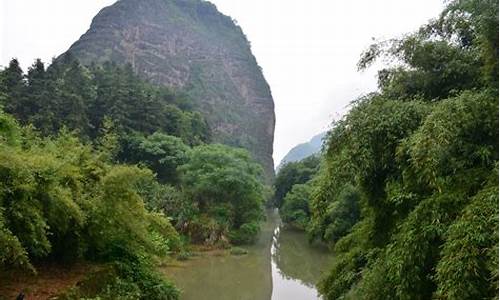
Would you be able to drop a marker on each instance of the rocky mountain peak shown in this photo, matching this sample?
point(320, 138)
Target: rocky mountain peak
point(190, 46)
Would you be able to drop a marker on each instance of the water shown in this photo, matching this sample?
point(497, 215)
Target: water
point(280, 266)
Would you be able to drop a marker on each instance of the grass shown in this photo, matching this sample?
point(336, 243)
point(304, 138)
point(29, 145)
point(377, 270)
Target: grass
point(238, 251)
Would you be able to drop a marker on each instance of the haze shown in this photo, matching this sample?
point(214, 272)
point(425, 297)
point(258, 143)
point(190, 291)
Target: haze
point(308, 49)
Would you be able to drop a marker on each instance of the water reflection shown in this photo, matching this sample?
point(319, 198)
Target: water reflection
point(280, 266)
point(296, 265)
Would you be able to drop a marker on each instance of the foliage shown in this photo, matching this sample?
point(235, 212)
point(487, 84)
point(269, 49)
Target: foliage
point(238, 251)
point(420, 161)
point(470, 253)
point(160, 152)
point(131, 228)
point(362, 153)
point(246, 233)
point(97, 164)
point(226, 186)
point(342, 214)
point(442, 164)
point(133, 279)
point(80, 98)
point(62, 200)
point(294, 173)
point(13, 254)
point(458, 51)
point(352, 256)
point(295, 209)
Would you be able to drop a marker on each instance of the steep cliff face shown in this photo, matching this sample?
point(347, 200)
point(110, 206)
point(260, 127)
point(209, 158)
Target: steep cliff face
point(190, 46)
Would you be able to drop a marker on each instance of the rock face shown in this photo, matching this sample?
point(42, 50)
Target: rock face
point(190, 46)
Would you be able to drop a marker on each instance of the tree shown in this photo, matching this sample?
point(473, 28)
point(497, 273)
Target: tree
point(13, 86)
point(294, 173)
point(79, 98)
point(455, 52)
point(295, 210)
point(421, 157)
point(160, 152)
point(75, 91)
point(227, 185)
point(61, 200)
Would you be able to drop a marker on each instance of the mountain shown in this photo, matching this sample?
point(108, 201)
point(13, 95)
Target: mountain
point(188, 45)
point(303, 150)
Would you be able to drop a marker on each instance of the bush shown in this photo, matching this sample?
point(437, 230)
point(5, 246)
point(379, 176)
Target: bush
point(128, 279)
point(160, 152)
point(295, 209)
point(62, 200)
point(294, 173)
point(238, 251)
point(184, 255)
point(226, 186)
point(246, 234)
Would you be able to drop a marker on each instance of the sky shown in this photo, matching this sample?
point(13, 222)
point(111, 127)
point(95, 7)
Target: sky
point(308, 49)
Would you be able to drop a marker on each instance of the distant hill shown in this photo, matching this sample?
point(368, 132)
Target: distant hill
point(303, 150)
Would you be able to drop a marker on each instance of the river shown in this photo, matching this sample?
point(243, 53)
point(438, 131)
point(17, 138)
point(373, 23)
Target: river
point(281, 265)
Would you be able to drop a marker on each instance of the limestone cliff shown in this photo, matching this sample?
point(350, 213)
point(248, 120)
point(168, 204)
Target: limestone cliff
point(190, 46)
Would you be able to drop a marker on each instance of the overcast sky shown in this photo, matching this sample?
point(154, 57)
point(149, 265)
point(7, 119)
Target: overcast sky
point(308, 49)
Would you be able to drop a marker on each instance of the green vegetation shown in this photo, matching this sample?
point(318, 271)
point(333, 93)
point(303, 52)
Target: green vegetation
point(103, 167)
point(293, 190)
point(295, 210)
point(226, 187)
point(69, 95)
point(99, 166)
point(238, 251)
point(61, 200)
point(294, 173)
point(407, 191)
point(160, 152)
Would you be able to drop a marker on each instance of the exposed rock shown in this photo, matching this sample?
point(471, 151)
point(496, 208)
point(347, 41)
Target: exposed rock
point(189, 46)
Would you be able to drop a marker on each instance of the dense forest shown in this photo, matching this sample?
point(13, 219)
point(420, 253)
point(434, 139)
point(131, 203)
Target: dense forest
point(406, 191)
point(97, 165)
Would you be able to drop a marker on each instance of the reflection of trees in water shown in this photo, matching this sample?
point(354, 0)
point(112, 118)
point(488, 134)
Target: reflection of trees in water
point(296, 259)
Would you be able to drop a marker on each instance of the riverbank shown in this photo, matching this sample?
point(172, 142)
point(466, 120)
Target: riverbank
point(280, 265)
point(50, 280)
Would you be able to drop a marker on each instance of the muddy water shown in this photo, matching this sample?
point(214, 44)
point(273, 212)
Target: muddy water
point(280, 266)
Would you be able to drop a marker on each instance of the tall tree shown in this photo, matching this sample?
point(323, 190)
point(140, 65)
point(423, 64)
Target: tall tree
point(13, 85)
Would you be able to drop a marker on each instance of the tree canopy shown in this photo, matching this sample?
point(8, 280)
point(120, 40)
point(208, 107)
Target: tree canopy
point(407, 191)
point(98, 165)
point(81, 98)
point(227, 185)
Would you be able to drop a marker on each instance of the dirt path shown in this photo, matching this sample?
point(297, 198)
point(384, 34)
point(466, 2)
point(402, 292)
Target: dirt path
point(51, 280)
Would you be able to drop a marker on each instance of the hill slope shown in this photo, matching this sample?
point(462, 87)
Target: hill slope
point(190, 46)
point(303, 150)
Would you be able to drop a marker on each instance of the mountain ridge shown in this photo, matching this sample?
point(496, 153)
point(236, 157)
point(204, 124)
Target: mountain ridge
point(303, 150)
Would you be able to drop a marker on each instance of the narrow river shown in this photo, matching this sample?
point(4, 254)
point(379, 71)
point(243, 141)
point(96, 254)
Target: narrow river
point(280, 266)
